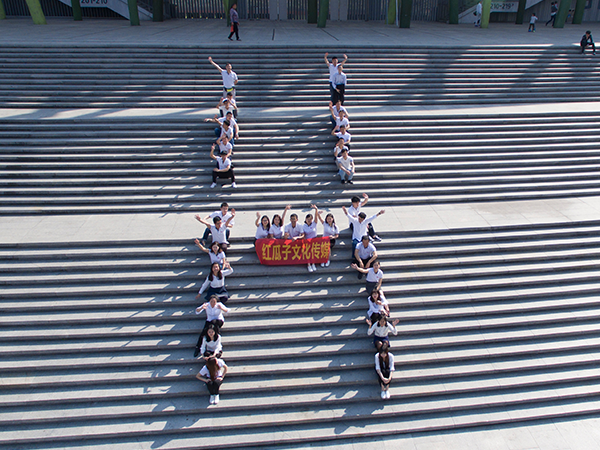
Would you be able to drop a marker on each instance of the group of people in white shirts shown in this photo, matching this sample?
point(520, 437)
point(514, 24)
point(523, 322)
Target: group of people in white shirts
point(227, 130)
point(340, 120)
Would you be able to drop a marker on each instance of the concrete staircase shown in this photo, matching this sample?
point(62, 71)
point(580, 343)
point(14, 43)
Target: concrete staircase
point(89, 166)
point(182, 77)
point(498, 325)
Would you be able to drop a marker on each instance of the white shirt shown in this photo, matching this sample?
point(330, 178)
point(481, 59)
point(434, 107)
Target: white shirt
point(224, 164)
point(216, 283)
point(365, 252)
point(225, 108)
point(342, 122)
point(215, 313)
point(337, 111)
point(310, 231)
point(229, 79)
point(228, 133)
point(276, 231)
point(218, 258)
point(360, 228)
point(372, 276)
point(347, 137)
point(332, 71)
point(390, 362)
point(225, 148)
point(220, 363)
point(294, 231)
point(211, 346)
point(330, 231)
point(339, 79)
point(223, 217)
point(376, 308)
point(533, 19)
point(261, 232)
point(219, 234)
point(346, 163)
point(382, 331)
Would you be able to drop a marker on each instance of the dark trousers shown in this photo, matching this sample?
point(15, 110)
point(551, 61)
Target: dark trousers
point(228, 174)
point(235, 30)
point(386, 374)
point(213, 386)
point(552, 19)
point(586, 45)
point(339, 95)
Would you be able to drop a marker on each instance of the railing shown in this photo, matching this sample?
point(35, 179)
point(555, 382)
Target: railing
point(54, 8)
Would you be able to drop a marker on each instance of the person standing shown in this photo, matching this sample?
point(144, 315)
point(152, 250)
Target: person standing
point(532, 22)
point(478, 13)
point(587, 41)
point(553, 11)
point(339, 85)
point(235, 22)
point(230, 78)
point(333, 69)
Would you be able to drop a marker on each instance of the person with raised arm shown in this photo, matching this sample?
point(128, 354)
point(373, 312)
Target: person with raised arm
point(360, 225)
point(223, 169)
point(230, 78)
point(331, 230)
point(310, 231)
point(276, 230)
point(333, 70)
point(218, 229)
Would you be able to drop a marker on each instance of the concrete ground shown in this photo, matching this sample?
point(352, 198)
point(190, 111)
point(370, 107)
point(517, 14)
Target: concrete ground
point(574, 435)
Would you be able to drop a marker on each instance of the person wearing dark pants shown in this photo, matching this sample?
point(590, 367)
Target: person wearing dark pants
point(364, 254)
point(339, 85)
point(223, 169)
point(553, 11)
point(384, 367)
point(235, 22)
point(587, 41)
point(213, 374)
point(333, 69)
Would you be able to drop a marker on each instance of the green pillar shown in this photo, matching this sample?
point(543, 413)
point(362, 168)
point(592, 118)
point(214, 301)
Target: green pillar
point(76, 6)
point(323, 13)
point(2, 11)
point(521, 12)
point(134, 16)
point(157, 10)
point(35, 9)
point(578, 14)
point(561, 15)
point(311, 13)
point(391, 15)
point(453, 9)
point(227, 7)
point(486, 7)
point(405, 13)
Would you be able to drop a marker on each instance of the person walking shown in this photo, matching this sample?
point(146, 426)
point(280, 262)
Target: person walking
point(235, 22)
point(478, 12)
point(553, 11)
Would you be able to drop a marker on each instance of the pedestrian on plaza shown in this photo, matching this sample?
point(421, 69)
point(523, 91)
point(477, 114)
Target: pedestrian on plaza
point(384, 367)
point(212, 374)
point(478, 13)
point(235, 22)
point(230, 78)
point(532, 22)
point(333, 69)
point(587, 41)
point(553, 11)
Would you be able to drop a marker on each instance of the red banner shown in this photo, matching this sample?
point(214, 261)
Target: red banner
point(285, 252)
